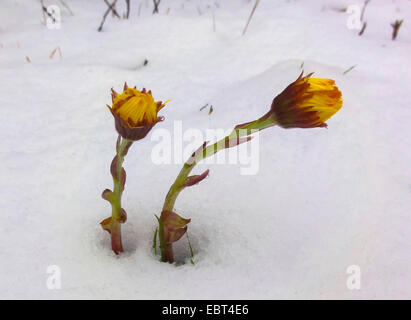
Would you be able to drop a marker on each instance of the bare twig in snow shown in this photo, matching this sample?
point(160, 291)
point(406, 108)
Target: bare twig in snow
point(395, 28)
point(156, 4)
point(363, 9)
point(46, 12)
point(348, 70)
point(362, 29)
point(128, 8)
point(54, 51)
point(43, 12)
point(111, 6)
point(257, 2)
point(67, 7)
point(203, 107)
point(335, 8)
point(364, 24)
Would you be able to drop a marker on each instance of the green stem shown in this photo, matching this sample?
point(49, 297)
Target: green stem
point(178, 185)
point(239, 131)
point(116, 212)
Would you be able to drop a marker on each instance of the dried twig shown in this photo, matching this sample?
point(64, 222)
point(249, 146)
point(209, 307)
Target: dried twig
point(396, 27)
point(54, 51)
point(251, 15)
point(110, 8)
point(128, 8)
point(362, 29)
point(43, 12)
point(46, 12)
point(203, 107)
point(113, 9)
point(363, 9)
point(156, 4)
point(67, 7)
point(348, 70)
point(364, 24)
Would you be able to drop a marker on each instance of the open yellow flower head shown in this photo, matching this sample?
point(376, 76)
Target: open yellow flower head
point(135, 112)
point(306, 103)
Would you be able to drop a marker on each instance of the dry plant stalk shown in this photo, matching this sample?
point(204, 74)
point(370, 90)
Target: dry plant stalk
point(364, 24)
point(43, 12)
point(257, 2)
point(128, 9)
point(396, 27)
point(111, 7)
point(54, 52)
point(156, 4)
point(67, 7)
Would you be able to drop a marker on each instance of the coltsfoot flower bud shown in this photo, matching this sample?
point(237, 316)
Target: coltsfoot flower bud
point(306, 103)
point(135, 112)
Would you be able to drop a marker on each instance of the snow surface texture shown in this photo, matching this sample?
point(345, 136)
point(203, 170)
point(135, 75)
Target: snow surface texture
point(323, 199)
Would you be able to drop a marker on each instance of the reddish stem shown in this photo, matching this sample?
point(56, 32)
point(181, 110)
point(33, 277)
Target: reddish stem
point(116, 244)
point(168, 253)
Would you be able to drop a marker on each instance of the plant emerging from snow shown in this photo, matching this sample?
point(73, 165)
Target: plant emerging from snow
point(135, 114)
point(305, 103)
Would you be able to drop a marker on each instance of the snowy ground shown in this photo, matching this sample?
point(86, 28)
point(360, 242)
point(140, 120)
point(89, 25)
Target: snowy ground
point(321, 201)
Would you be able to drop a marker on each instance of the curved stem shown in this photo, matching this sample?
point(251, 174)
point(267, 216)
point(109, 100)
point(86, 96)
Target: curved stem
point(177, 187)
point(238, 132)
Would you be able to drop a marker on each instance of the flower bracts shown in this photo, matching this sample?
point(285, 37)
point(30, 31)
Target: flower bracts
point(135, 112)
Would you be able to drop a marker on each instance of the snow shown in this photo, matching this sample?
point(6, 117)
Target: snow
point(322, 199)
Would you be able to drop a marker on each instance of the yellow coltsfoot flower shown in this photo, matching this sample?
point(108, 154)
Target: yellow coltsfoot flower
point(306, 103)
point(135, 112)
